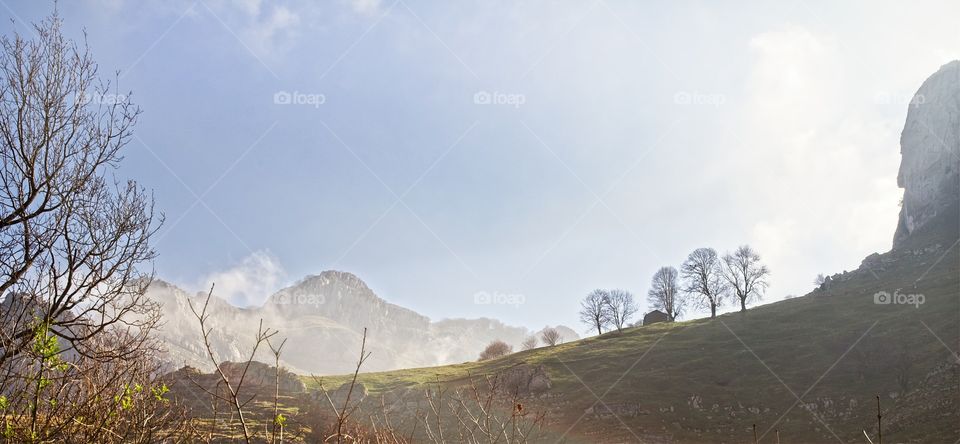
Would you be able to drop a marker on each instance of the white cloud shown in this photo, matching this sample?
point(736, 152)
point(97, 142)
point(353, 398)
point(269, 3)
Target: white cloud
point(365, 7)
point(249, 282)
point(265, 31)
point(262, 27)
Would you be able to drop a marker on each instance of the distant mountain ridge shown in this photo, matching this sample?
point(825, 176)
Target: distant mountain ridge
point(323, 317)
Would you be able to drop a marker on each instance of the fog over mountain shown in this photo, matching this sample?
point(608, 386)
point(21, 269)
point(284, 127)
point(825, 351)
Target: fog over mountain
point(323, 318)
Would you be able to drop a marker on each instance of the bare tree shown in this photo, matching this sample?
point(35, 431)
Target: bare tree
point(819, 280)
point(496, 349)
point(745, 274)
point(529, 344)
point(233, 386)
point(494, 411)
point(620, 308)
point(52, 395)
point(702, 275)
point(347, 410)
point(276, 434)
point(664, 294)
point(593, 310)
point(71, 240)
point(77, 362)
point(551, 336)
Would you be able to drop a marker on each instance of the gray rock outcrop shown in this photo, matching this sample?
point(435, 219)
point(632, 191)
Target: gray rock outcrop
point(930, 147)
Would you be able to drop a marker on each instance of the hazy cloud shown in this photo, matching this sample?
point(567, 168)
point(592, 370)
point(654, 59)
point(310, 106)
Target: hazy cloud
point(249, 282)
point(814, 137)
point(365, 7)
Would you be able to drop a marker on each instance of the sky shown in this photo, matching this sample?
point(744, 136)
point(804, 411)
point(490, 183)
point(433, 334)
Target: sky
point(503, 158)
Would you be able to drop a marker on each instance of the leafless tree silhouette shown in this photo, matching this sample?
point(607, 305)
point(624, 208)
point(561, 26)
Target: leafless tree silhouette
point(232, 387)
point(745, 274)
point(593, 310)
point(620, 308)
point(551, 336)
point(665, 295)
point(702, 275)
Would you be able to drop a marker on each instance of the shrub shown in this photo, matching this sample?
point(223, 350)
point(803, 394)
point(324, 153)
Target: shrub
point(496, 349)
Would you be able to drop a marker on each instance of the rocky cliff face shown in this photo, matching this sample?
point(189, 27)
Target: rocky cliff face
point(323, 318)
point(930, 146)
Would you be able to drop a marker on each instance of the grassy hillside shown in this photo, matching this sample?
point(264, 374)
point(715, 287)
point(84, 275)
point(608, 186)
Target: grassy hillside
point(711, 380)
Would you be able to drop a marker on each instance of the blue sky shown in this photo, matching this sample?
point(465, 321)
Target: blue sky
point(534, 150)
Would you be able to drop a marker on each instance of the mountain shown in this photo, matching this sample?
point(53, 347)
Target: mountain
point(323, 317)
point(810, 369)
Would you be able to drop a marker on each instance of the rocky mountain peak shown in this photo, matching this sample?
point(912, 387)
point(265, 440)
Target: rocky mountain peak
point(324, 317)
point(331, 277)
point(930, 150)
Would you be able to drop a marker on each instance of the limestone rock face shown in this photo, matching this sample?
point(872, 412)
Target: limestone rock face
point(930, 149)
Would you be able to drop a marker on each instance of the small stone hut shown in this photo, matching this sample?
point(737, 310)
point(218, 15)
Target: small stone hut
point(654, 317)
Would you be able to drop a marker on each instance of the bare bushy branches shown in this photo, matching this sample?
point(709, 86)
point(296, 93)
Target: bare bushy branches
point(607, 308)
point(702, 275)
point(77, 363)
point(482, 409)
point(551, 336)
point(593, 310)
point(50, 395)
point(488, 410)
point(346, 409)
point(620, 308)
point(71, 238)
point(745, 274)
point(495, 349)
point(276, 434)
point(233, 385)
point(529, 344)
point(664, 294)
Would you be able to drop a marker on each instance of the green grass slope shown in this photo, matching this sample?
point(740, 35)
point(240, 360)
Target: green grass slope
point(809, 367)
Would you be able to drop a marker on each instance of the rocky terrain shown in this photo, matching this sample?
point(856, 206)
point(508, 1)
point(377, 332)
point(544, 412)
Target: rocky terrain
point(323, 318)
